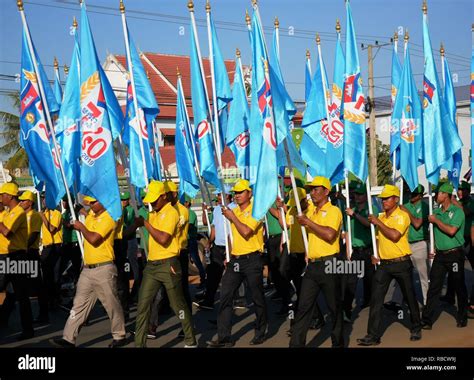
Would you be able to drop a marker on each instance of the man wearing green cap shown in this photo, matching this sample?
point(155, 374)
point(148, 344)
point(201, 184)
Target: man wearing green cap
point(448, 222)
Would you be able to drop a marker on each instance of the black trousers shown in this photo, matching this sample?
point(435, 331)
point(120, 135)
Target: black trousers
point(214, 272)
point(402, 272)
point(450, 291)
point(247, 268)
point(49, 259)
point(37, 285)
point(452, 263)
point(314, 280)
point(350, 280)
point(70, 252)
point(184, 261)
point(123, 285)
point(276, 268)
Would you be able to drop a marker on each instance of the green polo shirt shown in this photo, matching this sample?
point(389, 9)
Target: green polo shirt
point(128, 216)
point(192, 230)
point(69, 235)
point(453, 216)
point(418, 210)
point(361, 236)
point(469, 205)
point(143, 212)
point(274, 227)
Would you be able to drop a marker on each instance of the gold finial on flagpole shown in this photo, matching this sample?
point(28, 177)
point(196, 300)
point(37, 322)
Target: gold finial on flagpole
point(441, 50)
point(338, 26)
point(19, 4)
point(177, 72)
point(66, 69)
point(56, 64)
point(237, 52)
point(407, 36)
point(122, 7)
point(395, 36)
point(308, 54)
point(247, 17)
point(276, 23)
point(208, 6)
point(254, 3)
point(74, 22)
point(318, 39)
point(191, 6)
point(424, 7)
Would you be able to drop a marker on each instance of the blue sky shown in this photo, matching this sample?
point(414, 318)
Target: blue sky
point(163, 26)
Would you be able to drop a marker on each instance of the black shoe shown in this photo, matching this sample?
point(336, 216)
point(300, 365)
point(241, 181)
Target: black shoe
point(316, 324)
point(415, 335)
point(447, 299)
point(257, 341)
point(462, 323)
point(347, 316)
point(219, 344)
point(426, 326)
point(368, 340)
point(62, 343)
point(392, 306)
point(26, 335)
point(200, 296)
point(203, 305)
point(118, 343)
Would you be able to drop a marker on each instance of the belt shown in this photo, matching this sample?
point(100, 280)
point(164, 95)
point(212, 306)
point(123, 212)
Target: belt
point(448, 251)
point(395, 260)
point(324, 258)
point(92, 266)
point(245, 255)
point(160, 261)
point(416, 241)
point(275, 235)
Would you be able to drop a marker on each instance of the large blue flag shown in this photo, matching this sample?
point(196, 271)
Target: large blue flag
point(394, 131)
point(407, 118)
point(263, 130)
point(154, 144)
point(137, 124)
point(440, 137)
point(355, 150)
point(454, 164)
point(98, 171)
point(34, 133)
point(307, 77)
point(188, 181)
point(68, 124)
point(238, 136)
point(201, 123)
point(58, 90)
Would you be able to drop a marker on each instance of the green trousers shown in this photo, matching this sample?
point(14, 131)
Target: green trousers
point(156, 274)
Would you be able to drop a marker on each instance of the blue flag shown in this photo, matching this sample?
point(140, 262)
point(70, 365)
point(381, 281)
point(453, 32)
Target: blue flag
point(58, 91)
point(154, 144)
point(67, 127)
point(472, 100)
point(98, 171)
point(407, 118)
point(440, 137)
point(307, 78)
point(188, 181)
point(201, 123)
point(395, 132)
point(238, 136)
point(355, 150)
point(454, 164)
point(262, 124)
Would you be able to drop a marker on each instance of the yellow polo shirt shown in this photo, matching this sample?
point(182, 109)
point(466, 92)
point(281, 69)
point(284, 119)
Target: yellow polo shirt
point(3, 239)
point(326, 216)
point(35, 223)
point(118, 232)
point(15, 221)
point(294, 227)
point(240, 246)
point(54, 218)
point(400, 221)
point(183, 225)
point(165, 220)
point(104, 225)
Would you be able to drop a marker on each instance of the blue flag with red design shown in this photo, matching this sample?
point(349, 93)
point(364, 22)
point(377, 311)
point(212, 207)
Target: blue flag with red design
point(394, 131)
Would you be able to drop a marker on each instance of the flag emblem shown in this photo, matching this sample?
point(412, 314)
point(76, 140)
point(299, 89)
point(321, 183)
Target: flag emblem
point(242, 140)
point(32, 109)
point(428, 92)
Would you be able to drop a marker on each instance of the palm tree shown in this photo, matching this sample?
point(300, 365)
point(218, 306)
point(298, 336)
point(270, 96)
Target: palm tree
point(9, 136)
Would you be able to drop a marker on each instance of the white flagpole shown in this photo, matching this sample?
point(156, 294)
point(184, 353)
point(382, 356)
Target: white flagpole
point(394, 174)
point(49, 123)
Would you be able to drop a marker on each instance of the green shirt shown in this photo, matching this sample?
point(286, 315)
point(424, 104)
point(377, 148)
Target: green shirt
point(453, 216)
point(361, 236)
point(469, 205)
point(192, 231)
point(274, 227)
point(128, 216)
point(143, 212)
point(69, 235)
point(418, 210)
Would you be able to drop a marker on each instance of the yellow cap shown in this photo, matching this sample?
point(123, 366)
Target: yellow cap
point(389, 191)
point(170, 186)
point(320, 181)
point(27, 195)
point(155, 190)
point(9, 188)
point(88, 199)
point(301, 195)
point(241, 185)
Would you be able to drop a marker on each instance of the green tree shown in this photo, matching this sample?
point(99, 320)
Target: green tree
point(384, 165)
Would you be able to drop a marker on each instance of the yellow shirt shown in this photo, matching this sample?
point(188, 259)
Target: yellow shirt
point(118, 232)
point(240, 246)
point(327, 216)
point(15, 221)
point(400, 221)
point(55, 219)
point(3, 239)
point(35, 223)
point(183, 225)
point(104, 225)
point(165, 220)
point(296, 236)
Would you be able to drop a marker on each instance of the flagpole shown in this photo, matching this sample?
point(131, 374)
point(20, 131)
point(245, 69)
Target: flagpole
point(49, 123)
point(394, 174)
point(56, 70)
point(134, 92)
point(196, 161)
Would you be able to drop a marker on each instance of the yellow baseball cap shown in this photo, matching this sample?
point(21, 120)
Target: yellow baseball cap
point(389, 191)
point(320, 181)
point(241, 185)
point(9, 188)
point(170, 187)
point(27, 195)
point(87, 199)
point(301, 195)
point(155, 190)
